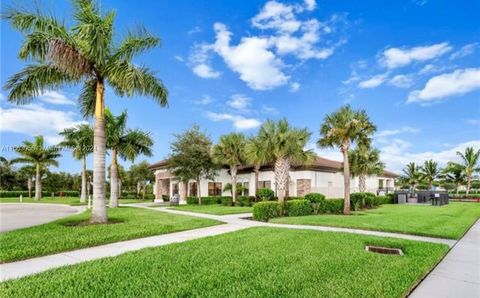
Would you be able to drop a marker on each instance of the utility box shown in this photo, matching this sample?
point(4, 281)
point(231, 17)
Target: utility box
point(400, 197)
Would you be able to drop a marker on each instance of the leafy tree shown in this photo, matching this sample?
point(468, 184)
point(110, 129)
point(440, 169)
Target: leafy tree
point(453, 173)
point(7, 174)
point(126, 144)
point(256, 153)
point(285, 146)
point(86, 53)
point(430, 171)
point(190, 157)
point(470, 159)
point(364, 161)
point(228, 187)
point(340, 129)
point(412, 175)
point(80, 140)
point(27, 173)
point(230, 151)
point(37, 154)
point(141, 175)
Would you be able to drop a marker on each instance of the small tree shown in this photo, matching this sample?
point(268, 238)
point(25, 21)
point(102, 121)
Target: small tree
point(412, 175)
point(27, 173)
point(190, 157)
point(340, 129)
point(430, 171)
point(257, 153)
point(230, 151)
point(364, 161)
point(141, 174)
point(470, 160)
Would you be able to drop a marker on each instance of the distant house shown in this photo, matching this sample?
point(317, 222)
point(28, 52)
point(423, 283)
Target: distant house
point(323, 176)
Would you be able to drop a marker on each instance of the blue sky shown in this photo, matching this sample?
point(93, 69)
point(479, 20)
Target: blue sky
point(414, 66)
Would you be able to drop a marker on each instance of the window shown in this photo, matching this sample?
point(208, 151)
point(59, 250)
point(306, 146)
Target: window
point(264, 184)
point(175, 189)
point(193, 189)
point(380, 183)
point(214, 189)
point(245, 189)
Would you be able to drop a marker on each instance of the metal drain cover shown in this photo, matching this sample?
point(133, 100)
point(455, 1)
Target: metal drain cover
point(384, 250)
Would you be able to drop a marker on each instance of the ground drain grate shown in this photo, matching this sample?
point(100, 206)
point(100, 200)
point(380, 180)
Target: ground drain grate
point(384, 250)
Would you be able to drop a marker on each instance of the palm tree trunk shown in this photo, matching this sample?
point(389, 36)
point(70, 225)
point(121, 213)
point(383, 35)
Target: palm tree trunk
point(469, 184)
point(199, 193)
point(119, 188)
point(114, 181)
point(29, 186)
point(233, 172)
point(83, 195)
point(99, 210)
point(138, 189)
point(346, 179)
point(362, 182)
point(38, 183)
point(257, 174)
point(457, 188)
point(281, 169)
point(144, 189)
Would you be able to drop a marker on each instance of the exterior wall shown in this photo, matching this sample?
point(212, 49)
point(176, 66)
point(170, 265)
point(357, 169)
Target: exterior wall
point(329, 184)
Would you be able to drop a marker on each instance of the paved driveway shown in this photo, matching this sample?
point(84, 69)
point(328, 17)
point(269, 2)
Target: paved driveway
point(21, 215)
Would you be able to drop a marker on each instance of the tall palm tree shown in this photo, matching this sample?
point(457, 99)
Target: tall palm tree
point(364, 161)
point(412, 175)
point(80, 140)
point(88, 53)
point(285, 146)
point(37, 154)
point(230, 151)
point(28, 172)
point(454, 173)
point(340, 129)
point(470, 159)
point(124, 143)
point(257, 154)
point(430, 171)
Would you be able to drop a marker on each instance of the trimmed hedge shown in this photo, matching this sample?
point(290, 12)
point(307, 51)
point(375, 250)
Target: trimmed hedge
point(334, 206)
point(298, 208)
point(263, 211)
point(265, 194)
point(209, 200)
point(24, 193)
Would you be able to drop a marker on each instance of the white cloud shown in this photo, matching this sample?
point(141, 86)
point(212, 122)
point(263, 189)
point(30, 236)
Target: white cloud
point(179, 58)
point(205, 100)
point(397, 155)
point(310, 4)
point(206, 72)
point(194, 30)
point(56, 98)
point(456, 83)
point(269, 110)
point(398, 57)
point(373, 82)
point(200, 62)
point(257, 65)
point(401, 81)
point(294, 87)
point(239, 102)
point(278, 16)
point(36, 120)
point(392, 132)
point(239, 122)
point(432, 68)
point(465, 50)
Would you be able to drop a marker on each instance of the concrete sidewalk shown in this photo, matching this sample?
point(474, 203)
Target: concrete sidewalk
point(458, 274)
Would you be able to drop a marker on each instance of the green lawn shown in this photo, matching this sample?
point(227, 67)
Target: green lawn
point(72, 201)
point(61, 236)
point(257, 262)
point(449, 221)
point(213, 209)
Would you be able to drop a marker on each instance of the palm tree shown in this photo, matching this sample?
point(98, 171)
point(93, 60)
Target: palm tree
point(340, 129)
point(454, 173)
point(80, 140)
point(412, 176)
point(126, 143)
point(35, 153)
point(364, 161)
point(256, 153)
point(28, 172)
point(88, 53)
point(470, 161)
point(430, 171)
point(230, 151)
point(285, 146)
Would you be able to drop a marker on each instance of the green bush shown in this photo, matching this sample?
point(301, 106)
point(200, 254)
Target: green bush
point(192, 200)
point(265, 194)
point(390, 198)
point(298, 207)
point(334, 206)
point(227, 202)
point(385, 200)
point(243, 201)
point(370, 200)
point(265, 210)
point(294, 198)
point(357, 201)
point(317, 201)
point(208, 200)
point(24, 193)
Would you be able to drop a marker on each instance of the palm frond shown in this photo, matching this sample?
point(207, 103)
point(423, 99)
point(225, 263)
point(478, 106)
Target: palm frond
point(87, 97)
point(136, 42)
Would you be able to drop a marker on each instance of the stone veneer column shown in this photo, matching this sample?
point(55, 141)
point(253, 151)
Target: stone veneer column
point(303, 187)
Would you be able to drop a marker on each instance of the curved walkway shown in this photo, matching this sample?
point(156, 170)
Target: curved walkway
point(15, 216)
point(232, 222)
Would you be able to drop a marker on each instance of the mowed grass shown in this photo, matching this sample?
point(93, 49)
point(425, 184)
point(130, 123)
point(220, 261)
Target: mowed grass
point(257, 262)
point(214, 209)
point(65, 234)
point(449, 221)
point(72, 201)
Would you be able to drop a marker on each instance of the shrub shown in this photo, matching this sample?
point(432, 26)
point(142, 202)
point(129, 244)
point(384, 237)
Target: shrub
point(357, 201)
point(243, 201)
point(17, 193)
point(334, 206)
point(192, 200)
point(390, 198)
point(265, 194)
point(227, 202)
point(317, 201)
point(370, 200)
point(265, 210)
point(298, 208)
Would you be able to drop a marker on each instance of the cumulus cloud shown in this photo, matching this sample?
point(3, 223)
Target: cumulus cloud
point(55, 98)
point(401, 81)
point(393, 132)
point(239, 122)
point(294, 87)
point(279, 16)
point(373, 82)
point(465, 50)
point(36, 120)
point(205, 100)
point(239, 102)
point(200, 62)
point(398, 57)
point(310, 4)
point(456, 83)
